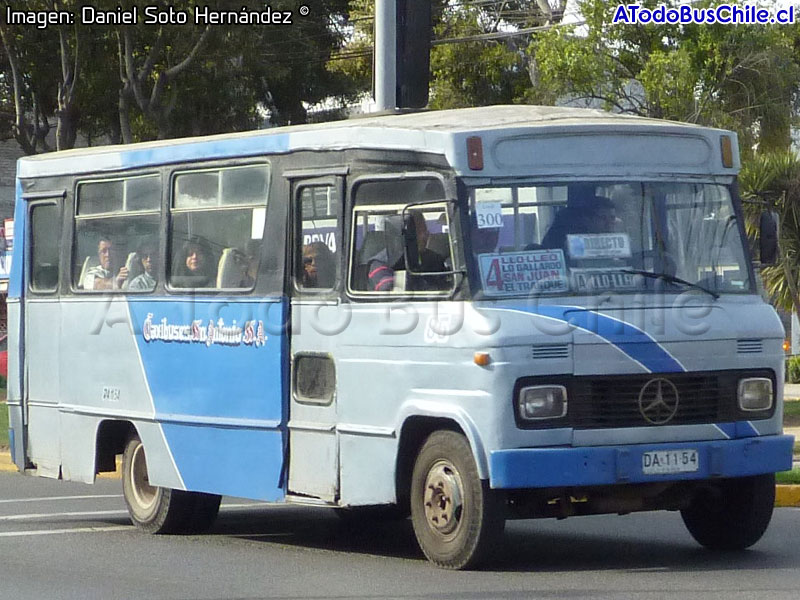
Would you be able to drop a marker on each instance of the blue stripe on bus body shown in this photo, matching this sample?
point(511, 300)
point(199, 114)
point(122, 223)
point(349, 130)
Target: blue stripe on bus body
point(207, 150)
point(225, 394)
point(246, 463)
point(631, 340)
point(745, 429)
point(729, 429)
point(17, 254)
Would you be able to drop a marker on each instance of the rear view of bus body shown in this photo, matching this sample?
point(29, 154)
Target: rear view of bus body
point(465, 316)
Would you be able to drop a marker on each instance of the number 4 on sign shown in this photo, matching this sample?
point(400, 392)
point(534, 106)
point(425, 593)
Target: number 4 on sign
point(494, 278)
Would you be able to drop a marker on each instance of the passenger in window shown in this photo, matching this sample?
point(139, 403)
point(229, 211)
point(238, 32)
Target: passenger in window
point(193, 268)
point(101, 276)
point(427, 259)
point(381, 276)
point(596, 214)
point(144, 282)
point(319, 266)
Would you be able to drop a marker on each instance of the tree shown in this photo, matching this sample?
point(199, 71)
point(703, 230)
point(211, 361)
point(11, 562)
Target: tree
point(773, 180)
point(477, 56)
point(150, 60)
point(481, 56)
point(30, 78)
point(67, 109)
point(471, 70)
point(292, 65)
point(132, 82)
point(744, 78)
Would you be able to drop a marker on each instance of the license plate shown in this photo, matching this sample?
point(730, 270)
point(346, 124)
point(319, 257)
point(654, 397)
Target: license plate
point(670, 461)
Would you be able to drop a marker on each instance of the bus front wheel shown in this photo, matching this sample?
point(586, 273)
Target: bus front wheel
point(457, 519)
point(162, 510)
point(734, 514)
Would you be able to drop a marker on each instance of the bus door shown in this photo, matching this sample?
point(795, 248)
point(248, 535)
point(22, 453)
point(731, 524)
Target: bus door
point(41, 316)
point(316, 312)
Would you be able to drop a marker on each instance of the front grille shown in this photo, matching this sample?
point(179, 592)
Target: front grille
point(614, 401)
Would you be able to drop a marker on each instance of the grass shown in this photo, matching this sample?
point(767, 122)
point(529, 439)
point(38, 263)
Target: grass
point(788, 477)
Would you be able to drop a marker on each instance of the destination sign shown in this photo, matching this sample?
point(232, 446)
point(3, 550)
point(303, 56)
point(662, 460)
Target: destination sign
point(590, 280)
point(599, 245)
point(514, 273)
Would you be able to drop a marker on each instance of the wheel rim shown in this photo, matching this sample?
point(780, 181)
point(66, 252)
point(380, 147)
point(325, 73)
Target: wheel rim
point(144, 494)
point(443, 498)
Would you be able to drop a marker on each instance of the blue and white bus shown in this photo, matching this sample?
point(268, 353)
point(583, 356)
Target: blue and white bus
point(466, 316)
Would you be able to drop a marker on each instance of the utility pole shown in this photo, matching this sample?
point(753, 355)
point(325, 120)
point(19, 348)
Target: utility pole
point(402, 53)
point(385, 54)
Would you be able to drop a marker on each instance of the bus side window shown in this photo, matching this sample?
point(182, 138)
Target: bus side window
point(378, 262)
point(45, 244)
point(216, 227)
point(116, 226)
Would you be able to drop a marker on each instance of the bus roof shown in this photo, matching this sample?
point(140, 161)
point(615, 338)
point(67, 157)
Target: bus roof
point(438, 132)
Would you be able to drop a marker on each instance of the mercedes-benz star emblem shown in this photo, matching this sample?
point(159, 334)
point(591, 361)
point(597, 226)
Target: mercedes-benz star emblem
point(658, 401)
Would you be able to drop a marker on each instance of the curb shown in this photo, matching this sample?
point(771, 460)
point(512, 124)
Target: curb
point(6, 466)
point(785, 495)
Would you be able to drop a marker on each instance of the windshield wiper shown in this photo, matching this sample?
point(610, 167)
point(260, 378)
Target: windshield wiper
point(671, 279)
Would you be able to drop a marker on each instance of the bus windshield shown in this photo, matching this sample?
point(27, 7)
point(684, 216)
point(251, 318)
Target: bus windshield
point(587, 238)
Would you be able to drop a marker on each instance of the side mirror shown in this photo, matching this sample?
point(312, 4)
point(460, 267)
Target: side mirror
point(768, 237)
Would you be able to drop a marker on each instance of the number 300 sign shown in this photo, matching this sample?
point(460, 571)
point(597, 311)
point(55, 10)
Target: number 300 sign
point(489, 214)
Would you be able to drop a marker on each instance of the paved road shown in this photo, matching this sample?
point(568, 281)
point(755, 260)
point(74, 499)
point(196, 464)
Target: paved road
point(63, 540)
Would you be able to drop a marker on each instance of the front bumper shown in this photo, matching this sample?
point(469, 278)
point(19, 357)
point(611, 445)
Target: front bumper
point(606, 465)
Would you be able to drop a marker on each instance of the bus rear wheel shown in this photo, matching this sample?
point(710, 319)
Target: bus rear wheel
point(457, 519)
point(162, 510)
point(734, 514)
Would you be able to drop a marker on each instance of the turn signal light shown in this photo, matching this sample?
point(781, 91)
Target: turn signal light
point(482, 359)
point(727, 151)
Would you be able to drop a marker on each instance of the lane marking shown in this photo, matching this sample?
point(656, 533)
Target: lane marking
point(62, 531)
point(46, 498)
point(105, 513)
point(87, 513)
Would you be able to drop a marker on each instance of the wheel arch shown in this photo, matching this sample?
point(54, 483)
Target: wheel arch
point(416, 426)
point(110, 441)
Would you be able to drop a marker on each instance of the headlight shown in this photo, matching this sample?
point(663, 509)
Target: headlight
point(755, 393)
point(542, 402)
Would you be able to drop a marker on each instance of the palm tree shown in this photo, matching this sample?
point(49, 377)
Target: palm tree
point(774, 180)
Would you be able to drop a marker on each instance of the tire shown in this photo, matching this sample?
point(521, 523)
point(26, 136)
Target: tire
point(457, 519)
point(735, 515)
point(203, 513)
point(152, 509)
